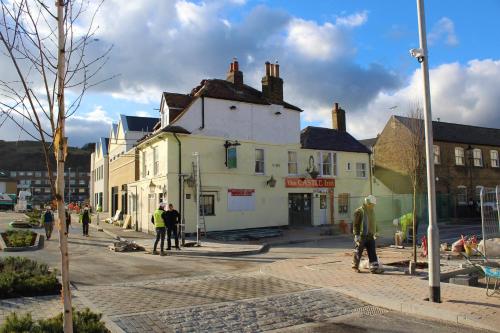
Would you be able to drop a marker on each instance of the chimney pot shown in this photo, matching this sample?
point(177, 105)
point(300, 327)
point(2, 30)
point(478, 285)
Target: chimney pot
point(338, 118)
point(272, 84)
point(277, 70)
point(268, 68)
point(234, 75)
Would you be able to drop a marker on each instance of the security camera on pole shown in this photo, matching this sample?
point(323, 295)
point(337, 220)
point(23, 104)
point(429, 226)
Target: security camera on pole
point(432, 231)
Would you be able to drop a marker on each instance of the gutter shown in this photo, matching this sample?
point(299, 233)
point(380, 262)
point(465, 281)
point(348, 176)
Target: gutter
point(181, 213)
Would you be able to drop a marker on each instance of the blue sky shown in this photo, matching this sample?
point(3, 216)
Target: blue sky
point(351, 52)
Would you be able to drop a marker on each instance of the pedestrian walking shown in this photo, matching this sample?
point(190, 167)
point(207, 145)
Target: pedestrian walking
point(48, 221)
point(159, 220)
point(85, 220)
point(68, 219)
point(365, 234)
point(172, 222)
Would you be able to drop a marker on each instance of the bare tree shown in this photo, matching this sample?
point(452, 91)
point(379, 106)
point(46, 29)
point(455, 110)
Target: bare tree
point(413, 161)
point(49, 48)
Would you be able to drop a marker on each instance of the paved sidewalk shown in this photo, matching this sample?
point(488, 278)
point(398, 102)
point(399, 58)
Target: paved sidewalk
point(393, 290)
point(207, 248)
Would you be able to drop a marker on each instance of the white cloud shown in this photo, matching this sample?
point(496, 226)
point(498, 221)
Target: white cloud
point(314, 41)
point(353, 20)
point(464, 94)
point(444, 30)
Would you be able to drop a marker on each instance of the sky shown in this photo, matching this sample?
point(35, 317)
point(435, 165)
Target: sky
point(355, 53)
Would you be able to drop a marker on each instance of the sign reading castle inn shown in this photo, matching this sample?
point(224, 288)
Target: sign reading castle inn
point(300, 204)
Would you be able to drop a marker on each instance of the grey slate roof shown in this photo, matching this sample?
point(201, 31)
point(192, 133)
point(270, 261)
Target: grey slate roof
point(138, 124)
point(176, 104)
point(104, 142)
point(466, 134)
point(369, 142)
point(330, 139)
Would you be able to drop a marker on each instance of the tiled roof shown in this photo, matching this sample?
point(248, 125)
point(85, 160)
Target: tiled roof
point(139, 124)
point(166, 129)
point(176, 103)
point(369, 142)
point(219, 89)
point(223, 89)
point(466, 134)
point(330, 139)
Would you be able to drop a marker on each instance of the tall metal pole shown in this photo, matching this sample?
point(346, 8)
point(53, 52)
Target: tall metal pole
point(197, 156)
point(432, 231)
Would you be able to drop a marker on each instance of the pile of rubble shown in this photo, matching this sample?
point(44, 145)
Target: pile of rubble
point(125, 246)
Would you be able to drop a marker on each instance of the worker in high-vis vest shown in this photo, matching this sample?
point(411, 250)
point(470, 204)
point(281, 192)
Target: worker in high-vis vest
point(158, 219)
point(365, 233)
point(405, 222)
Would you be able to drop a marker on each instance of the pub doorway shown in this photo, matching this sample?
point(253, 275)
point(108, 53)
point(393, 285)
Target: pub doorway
point(299, 209)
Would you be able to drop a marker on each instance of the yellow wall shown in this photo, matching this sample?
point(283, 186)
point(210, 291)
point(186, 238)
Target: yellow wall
point(122, 171)
point(271, 204)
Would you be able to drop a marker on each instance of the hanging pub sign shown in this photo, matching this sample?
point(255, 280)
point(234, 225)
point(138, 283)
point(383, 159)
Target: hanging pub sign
point(231, 158)
point(309, 182)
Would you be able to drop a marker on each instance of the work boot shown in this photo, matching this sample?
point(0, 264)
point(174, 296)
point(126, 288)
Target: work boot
point(162, 254)
point(376, 269)
point(154, 252)
point(355, 264)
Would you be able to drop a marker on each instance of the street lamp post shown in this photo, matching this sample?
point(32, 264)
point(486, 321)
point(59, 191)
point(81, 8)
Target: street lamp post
point(432, 231)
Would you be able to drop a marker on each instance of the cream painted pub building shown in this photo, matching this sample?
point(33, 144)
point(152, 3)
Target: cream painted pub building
point(258, 169)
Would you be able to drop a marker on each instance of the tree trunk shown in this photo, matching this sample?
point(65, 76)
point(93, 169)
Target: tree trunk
point(60, 146)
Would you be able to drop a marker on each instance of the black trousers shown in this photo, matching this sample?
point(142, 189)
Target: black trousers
point(85, 228)
point(367, 243)
point(170, 229)
point(160, 235)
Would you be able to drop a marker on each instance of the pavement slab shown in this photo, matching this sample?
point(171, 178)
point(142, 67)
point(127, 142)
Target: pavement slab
point(393, 289)
point(249, 315)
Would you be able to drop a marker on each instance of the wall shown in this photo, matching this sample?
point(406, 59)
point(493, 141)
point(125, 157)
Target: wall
point(101, 186)
point(271, 204)
point(261, 122)
point(122, 171)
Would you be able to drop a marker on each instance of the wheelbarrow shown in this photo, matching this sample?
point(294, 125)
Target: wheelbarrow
point(491, 272)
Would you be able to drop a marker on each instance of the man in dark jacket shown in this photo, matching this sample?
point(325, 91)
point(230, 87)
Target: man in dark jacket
point(85, 219)
point(48, 221)
point(172, 221)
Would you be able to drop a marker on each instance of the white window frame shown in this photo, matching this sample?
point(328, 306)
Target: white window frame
point(464, 194)
point(459, 156)
point(293, 162)
point(263, 161)
point(494, 159)
point(332, 158)
point(478, 157)
point(143, 158)
point(361, 168)
point(437, 154)
point(156, 161)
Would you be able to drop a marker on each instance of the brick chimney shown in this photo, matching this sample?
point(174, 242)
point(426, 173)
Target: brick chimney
point(234, 75)
point(338, 118)
point(272, 84)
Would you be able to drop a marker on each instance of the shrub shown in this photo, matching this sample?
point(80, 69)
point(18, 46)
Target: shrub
point(83, 322)
point(24, 277)
point(19, 238)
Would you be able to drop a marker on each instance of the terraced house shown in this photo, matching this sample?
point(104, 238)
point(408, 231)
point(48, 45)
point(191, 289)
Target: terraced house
point(466, 158)
point(257, 168)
